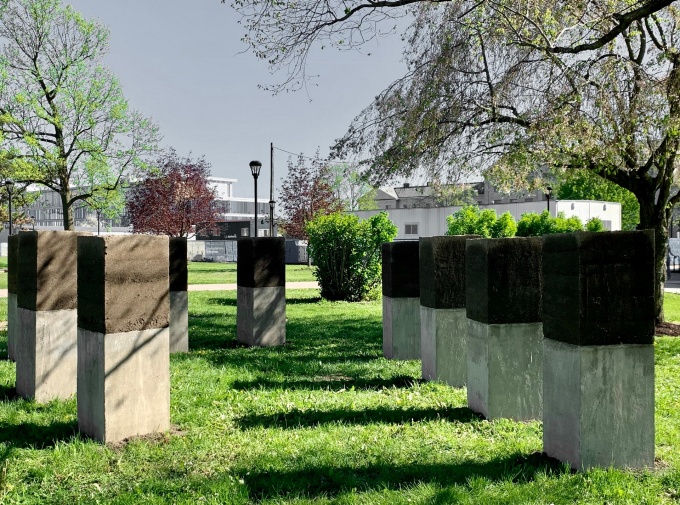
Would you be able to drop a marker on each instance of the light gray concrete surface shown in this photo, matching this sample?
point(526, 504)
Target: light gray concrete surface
point(46, 354)
point(261, 316)
point(505, 370)
point(443, 334)
point(123, 383)
point(401, 328)
point(179, 321)
point(599, 405)
point(12, 325)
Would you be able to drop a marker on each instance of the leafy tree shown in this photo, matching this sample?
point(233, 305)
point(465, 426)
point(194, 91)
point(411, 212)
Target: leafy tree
point(176, 201)
point(348, 185)
point(514, 88)
point(586, 185)
point(367, 201)
point(595, 224)
point(305, 193)
point(347, 254)
point(470, 220)
point(64, 122)
point(535, 225)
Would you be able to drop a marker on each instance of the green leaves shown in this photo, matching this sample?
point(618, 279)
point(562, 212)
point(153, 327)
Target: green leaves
point(471, 221)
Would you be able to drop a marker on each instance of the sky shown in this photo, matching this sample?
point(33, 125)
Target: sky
point(182, 63)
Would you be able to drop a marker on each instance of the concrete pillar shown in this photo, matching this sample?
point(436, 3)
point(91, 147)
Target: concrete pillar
point(45, 341)
point(401, 299)
point(123, 336)
point(443, 321)
point(12, 289)
point(179, 298)
point(261, 291)
point(505, 348)
point(598, 315)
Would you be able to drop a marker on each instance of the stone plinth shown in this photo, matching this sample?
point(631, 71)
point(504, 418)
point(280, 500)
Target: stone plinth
point(443, 320)
point(503, 304)
point(261, 291)
point(44, 343)
point(598, 349)
point(123, 336)
point(12, 287)
point(401, 300)
point(179, 297)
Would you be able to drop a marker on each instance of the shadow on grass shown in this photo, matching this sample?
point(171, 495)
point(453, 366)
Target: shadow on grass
point(38, 436)
point(330, 481)
point(308, 418)
point(231, 302)
point(329, 383)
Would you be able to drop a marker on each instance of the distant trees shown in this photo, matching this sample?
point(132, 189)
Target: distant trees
point(305, 193)
point(176, 201)
point(64, 121)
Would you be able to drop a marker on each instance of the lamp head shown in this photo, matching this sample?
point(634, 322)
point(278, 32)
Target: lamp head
point(9, 185)
point(255, 167)
point(271, 204)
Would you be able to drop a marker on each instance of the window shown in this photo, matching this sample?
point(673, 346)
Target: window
point(245, 232)
point(411, 229)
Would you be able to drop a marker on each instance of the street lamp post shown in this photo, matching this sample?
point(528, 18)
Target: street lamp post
point(548, 194)
point(255, 167)
point(271, 217)
point(10, 188)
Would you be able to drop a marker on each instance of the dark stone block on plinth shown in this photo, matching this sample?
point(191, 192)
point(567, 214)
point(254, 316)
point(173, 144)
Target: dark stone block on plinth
point(13, 264)
point(503, 280)
point(179, 272)
point(123, 283)
point(400, 272)
point(599, 288)
point(47, 270)
point(442, 271)
point(261, 262)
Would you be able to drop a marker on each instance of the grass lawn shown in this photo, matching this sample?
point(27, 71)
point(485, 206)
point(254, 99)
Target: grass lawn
point(225, 273)
point(321, 420)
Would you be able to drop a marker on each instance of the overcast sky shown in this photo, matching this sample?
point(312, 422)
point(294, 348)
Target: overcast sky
point(181, 62)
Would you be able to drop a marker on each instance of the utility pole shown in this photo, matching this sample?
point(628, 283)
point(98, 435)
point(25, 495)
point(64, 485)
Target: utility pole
point(271, 190)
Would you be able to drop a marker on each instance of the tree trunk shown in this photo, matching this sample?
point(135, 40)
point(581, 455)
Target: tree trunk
point(67, 208)
point(652, 219)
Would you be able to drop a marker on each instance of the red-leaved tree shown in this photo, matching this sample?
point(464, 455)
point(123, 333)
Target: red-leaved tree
point(305, 193)
point(177, 201)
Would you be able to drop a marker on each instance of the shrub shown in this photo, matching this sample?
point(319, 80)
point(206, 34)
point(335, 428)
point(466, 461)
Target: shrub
point(471, 221)
point(535, 225)
point(347, 254)
point(595, 224)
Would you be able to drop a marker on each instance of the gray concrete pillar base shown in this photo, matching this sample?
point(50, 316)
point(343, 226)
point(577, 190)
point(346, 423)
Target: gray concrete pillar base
point(401, 328)
point(123, 383)
point(12, 325)
point(599, 405)
point(443, 345)
point(179, 321)
point(261, 316)
point(46, 354)
point(505, 370)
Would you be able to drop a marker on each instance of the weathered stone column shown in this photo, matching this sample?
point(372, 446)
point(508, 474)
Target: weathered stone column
point(261, 291)
point(123, 336)
point(598, 315)
point(12, 289)
point(505, 333)
point(443, 321)
point(401, 299)
point(45, 341)
point(179, 297)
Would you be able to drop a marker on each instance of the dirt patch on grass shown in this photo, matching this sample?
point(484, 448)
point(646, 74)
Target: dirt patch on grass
point(668, 329)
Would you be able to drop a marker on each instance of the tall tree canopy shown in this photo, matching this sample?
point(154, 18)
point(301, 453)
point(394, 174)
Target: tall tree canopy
point(513, 88)
point(64, 122)
point(177, 200)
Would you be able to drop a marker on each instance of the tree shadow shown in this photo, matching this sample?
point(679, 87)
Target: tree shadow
point(330, 481)
point(329, 383)
point(310, 418)
point(37, 436)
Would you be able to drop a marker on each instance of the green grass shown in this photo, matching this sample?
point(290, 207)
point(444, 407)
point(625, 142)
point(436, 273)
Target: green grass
point(225, 273)
point(671, 307)
point(324, 419)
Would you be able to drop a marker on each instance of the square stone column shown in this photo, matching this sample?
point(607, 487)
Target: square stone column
point(598, 317)
point(179, 297)
point(123, 336)
point(505, 333)
point(12, 288)
point(401, 299)
point(261, 291)
point(46, 331)
point(443, 321)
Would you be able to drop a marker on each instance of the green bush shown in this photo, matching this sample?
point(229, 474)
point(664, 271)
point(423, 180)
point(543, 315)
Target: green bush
point(471, 221)
point(347, 254)
point(535, 225)
point(595, 224)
